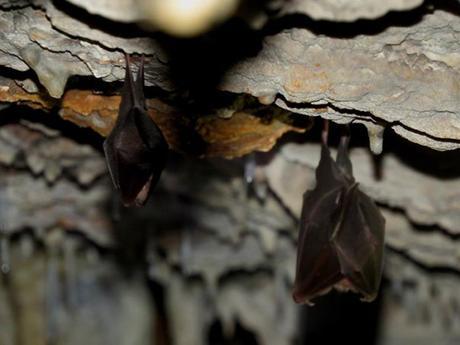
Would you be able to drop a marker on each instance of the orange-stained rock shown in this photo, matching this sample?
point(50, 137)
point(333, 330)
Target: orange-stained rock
point(87, 109)
point(12, 93)
point(240, 134)
point(200, 135)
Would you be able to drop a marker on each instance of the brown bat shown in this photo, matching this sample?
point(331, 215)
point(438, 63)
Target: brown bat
point(341, 236)
point(135, 150)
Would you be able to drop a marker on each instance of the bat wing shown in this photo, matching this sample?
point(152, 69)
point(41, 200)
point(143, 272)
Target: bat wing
point(149, 132)
point(135, 150)
point(136, 177)
point(129, 163)
point(359, 243)
point(359, 234)
point(341, 234)
point(318, 268)
point(155, 145)
point(112, 160)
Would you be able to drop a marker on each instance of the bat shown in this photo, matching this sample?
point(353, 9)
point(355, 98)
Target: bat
point(135, 150)
point(341, 235)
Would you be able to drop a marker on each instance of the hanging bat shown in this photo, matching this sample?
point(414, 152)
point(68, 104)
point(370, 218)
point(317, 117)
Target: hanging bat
point(341, 234)
point(135, 150)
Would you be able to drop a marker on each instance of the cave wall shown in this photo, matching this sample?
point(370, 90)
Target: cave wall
point(215, 247)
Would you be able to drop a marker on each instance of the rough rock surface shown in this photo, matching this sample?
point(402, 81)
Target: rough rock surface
point(401, 73)
point(128, 10)
point(51, 200)
point(402, 77)
point(58, 293)
point(347, 11)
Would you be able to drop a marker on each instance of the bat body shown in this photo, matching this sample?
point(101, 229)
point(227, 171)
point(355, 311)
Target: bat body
point(341, 236)
point(135, 150)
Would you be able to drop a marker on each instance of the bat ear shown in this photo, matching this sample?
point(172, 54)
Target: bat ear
point(343, 159)
point(139, 98)
point(127, 93)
